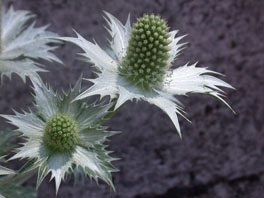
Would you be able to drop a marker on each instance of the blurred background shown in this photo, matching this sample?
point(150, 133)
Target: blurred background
point(221, 154)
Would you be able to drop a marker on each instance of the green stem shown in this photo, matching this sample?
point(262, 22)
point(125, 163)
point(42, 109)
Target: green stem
point(20, 178)
point(112, 111)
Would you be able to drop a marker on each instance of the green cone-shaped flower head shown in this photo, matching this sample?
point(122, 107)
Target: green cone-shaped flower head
point(146, 61)
point(61, 133)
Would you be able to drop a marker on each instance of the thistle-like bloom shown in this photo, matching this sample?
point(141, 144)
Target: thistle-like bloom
point(138, 66)
point(21, 44)
point(64, 136)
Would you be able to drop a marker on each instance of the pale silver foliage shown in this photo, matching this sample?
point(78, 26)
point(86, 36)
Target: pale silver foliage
point(180, 81)
point(22, 44)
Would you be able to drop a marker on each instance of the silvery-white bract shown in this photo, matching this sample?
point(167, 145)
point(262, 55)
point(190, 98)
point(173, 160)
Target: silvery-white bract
point(5, 171)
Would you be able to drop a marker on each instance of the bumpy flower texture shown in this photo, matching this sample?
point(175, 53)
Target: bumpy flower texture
point(21, 44)
point(64, 137)
point(138, 66)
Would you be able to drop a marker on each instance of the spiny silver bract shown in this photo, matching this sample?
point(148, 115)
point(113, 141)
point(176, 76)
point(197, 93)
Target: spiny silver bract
point(64, 136)
point(146, 61)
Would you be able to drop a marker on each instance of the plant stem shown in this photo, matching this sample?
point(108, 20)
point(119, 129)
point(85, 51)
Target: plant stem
point(112, 111)
point(20, 178)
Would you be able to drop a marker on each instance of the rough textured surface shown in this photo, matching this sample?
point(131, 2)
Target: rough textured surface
point(221, 155)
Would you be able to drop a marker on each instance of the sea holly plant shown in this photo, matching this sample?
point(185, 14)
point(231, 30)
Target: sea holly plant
point(21, 44)
point(63, 137)
point(139, 66)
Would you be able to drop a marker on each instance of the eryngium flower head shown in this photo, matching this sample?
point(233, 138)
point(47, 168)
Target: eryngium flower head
point(22, 44)
point(147, 56)
point(64, 136)
point(138, 66)
point(61, 133)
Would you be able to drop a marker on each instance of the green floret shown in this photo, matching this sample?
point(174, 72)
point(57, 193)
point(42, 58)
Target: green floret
point(147, 55)
point(61, 133)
